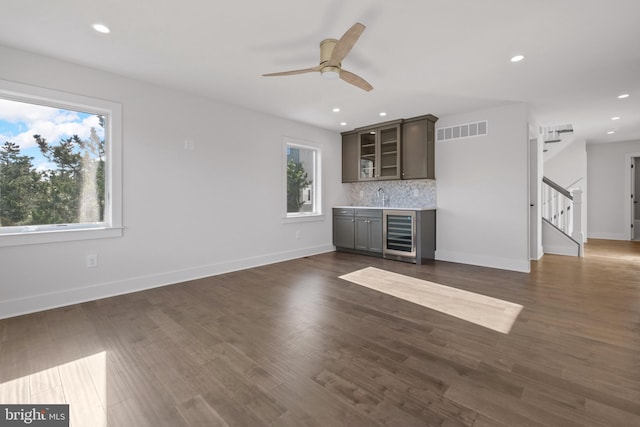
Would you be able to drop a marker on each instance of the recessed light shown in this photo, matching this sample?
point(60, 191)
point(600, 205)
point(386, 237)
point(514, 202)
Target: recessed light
point(611, 132)
point(336, 110)
point(517, 58)
point(383, 114)
point(343, 124)
point(101, 28)
point(373, 132)
point(624, 95)
point(615, 118)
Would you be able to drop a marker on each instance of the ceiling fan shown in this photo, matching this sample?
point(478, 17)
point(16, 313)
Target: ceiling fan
point(332, 52)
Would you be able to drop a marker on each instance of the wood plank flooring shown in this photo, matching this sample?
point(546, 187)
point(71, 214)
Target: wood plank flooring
point(492, 313)
point(291, 344)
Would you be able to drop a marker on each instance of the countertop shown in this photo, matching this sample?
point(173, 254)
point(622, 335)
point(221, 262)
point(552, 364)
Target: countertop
point(384, 208)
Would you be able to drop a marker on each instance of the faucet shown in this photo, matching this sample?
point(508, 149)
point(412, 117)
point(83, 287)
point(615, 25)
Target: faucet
point(384, 196)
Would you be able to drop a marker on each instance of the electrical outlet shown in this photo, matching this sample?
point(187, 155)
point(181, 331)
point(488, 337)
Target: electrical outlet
point(361, 194)
point(298, 234)
point(189, 145)
point(416, 193)
point(92, 261)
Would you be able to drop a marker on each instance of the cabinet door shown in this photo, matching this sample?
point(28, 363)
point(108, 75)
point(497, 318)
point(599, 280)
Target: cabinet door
point(350, 161)
point(389, 148)
point(418, 149)
point(368, 157)
point(375, 234)
point(343, 231)
point(362, 234)
point(425, 235)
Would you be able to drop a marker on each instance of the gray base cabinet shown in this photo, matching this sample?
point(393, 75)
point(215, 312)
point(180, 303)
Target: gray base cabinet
point(344, 228)
point(368, 230)
point(358, 230)
point(361, 231)
point(425, 236)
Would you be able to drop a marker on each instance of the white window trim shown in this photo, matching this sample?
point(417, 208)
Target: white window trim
point(318, 215)
point(112, 225)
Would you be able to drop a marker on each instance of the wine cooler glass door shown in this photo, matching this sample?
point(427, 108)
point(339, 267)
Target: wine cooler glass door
point(400, 234)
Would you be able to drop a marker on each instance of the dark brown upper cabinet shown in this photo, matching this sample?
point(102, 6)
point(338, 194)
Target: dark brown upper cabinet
point(401, 149)
point(350, 156)
point(418, 140)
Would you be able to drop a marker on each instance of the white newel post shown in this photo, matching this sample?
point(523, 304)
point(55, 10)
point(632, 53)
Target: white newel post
point(576, 234)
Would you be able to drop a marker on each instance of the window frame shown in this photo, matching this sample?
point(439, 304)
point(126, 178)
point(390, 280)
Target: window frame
point(111, 226)
point(316, 183)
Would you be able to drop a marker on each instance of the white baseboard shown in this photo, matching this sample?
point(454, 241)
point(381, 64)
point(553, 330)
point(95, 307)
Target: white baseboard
point(484, 261)
point(608, 236)
point(538, 254)
point(32, 304)
point(561, 250)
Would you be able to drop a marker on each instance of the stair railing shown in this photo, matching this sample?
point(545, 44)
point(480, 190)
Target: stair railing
point(556, 205)
point(563, 208)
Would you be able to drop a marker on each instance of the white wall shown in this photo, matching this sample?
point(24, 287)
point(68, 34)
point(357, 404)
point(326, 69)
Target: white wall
point(568, 167)
point(483, 201)
point(609, 189)
point(187, 214)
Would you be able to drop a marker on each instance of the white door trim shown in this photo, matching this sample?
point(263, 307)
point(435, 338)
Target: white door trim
point(628, 190)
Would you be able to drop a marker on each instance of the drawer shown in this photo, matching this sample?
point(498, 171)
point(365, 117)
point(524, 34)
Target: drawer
point(369, 213)
point(343, 211)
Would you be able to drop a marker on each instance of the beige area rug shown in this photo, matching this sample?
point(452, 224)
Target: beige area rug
point(482, 310)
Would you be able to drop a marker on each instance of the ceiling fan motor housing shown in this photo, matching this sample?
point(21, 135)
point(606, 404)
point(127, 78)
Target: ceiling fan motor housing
point(326, 50)
point(332, 71)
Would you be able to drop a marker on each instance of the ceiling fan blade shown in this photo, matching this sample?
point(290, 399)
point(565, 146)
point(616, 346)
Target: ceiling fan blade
point(355, 80)
point(346, 42)
point(292, 72)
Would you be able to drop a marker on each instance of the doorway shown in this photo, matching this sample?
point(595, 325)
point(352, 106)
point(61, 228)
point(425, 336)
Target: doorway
point(635, 200)
point(535, 194)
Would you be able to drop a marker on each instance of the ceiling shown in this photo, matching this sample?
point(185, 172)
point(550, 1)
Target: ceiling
point(421, 56)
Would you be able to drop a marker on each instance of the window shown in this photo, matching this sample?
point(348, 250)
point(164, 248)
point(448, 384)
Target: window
point(302, 165)
point(59, 166)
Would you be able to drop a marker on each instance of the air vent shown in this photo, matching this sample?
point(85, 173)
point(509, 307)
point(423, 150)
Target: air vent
point(468, 130)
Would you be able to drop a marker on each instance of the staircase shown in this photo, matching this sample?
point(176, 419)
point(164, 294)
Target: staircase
point(561, 220)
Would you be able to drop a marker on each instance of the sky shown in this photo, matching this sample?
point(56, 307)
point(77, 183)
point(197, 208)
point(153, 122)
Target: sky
point(19, 121)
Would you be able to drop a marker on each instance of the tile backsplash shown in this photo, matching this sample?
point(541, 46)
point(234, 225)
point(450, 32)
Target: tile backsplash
point(419, 193)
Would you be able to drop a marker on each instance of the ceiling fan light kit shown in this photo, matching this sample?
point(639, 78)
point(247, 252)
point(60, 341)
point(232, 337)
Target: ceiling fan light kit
point(332, 52)
point(330, 73)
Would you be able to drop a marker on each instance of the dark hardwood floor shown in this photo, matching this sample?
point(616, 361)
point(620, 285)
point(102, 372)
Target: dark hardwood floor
point(290, 344)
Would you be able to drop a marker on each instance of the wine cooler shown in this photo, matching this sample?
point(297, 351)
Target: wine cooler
point(399, 235)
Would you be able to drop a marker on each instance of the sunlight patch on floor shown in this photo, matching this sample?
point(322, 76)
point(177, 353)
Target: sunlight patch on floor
point(482, 310)
point(81, 383)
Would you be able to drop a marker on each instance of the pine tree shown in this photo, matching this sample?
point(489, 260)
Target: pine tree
point(73, 192)
point(297, 180)
point(66, 180)
point(18, 181)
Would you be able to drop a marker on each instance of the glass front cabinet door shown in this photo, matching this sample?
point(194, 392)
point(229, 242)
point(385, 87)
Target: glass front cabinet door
point(379, 153)
point(368, 155)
